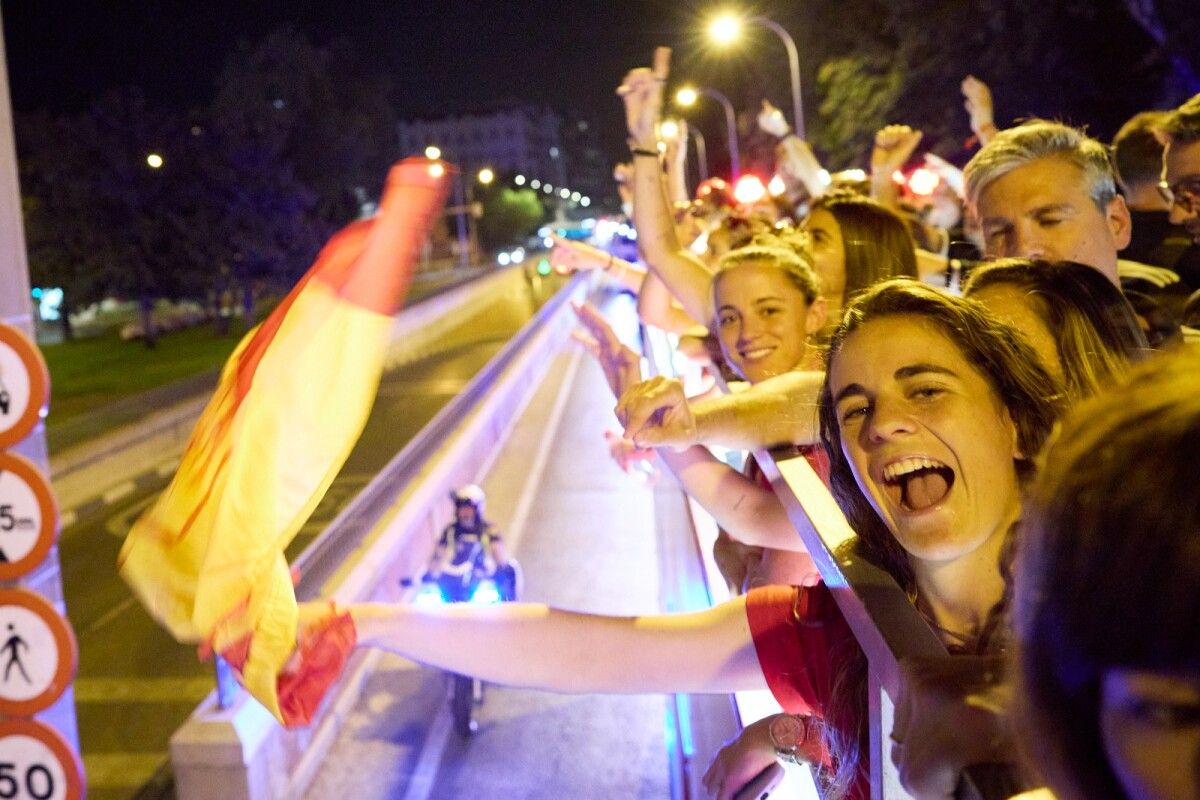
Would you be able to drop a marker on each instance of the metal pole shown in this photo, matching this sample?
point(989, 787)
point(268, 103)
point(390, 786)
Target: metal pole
point(701, 152)
point(794, 64)
point(731, 129)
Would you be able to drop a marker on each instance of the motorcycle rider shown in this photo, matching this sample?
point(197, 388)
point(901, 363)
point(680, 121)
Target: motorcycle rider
point(470, 545)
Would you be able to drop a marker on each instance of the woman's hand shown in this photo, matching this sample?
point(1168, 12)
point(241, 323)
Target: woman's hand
point(951, 714)
point(771, 120)
point(977, 99)
point(655, 413)
point(570, 256)
point(741, 760)
point(622, 366)
point(894, 145)
point(642, 92)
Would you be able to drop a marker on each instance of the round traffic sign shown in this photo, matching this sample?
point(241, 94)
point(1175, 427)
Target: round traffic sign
point(37, 653)
point(37, 763)
point(28, 516)
point(24, 385)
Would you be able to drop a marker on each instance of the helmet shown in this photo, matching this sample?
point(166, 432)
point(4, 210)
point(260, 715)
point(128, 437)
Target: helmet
point(469, 495)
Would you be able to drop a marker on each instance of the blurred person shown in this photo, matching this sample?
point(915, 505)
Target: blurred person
point(1080, 325)
point(1138, 157)
point(911, 373)
point(471, 545)
point(1181, 165)
point(1107, 593)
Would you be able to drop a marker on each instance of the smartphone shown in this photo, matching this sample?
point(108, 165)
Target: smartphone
point(762, 784)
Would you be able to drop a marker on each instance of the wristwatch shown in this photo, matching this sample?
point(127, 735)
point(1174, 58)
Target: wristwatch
point(788, 733)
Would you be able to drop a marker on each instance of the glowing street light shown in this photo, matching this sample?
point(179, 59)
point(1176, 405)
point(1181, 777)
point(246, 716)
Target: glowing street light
point(154, 161)
point(520, 180)
point(726, 28)
point(486, 176)
point(668, 129)
point(437, 170)
point(688, 95)
point(564, 193)
point(433, 153)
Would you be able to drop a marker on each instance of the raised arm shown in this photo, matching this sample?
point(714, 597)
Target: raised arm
point(656, 306)
point(685, 275)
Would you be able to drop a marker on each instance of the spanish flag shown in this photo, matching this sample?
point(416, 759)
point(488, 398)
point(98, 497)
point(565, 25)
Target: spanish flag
point(207, 558)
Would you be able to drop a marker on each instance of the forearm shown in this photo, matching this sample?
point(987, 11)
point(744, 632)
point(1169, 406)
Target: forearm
point(748, 512)
point(656, 306)
point(778, 411)
point(628, 274)
point(530, 645)
point(798, 159)
point(684, 274)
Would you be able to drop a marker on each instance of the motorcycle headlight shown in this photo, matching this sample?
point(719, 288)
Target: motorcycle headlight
point(429, 595)
point(485, 593)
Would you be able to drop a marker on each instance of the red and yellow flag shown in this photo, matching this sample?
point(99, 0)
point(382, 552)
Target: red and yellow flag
point(207, 558)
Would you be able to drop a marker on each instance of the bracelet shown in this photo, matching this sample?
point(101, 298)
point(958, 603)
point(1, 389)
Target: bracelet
point(641, 151)
point(608, 266)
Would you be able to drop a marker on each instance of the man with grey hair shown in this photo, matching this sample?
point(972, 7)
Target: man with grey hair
point(1047, 190)
point(1181, 165)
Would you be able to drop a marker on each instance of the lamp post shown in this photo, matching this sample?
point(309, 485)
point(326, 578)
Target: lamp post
point(687, 97)
point(726, 28)
point(701, 152)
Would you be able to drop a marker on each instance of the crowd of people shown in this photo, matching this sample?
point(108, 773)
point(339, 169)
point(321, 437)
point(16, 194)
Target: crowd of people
point(996, 381)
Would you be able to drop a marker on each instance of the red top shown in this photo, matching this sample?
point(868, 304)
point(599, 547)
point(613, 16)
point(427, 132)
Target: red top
point(803, 644)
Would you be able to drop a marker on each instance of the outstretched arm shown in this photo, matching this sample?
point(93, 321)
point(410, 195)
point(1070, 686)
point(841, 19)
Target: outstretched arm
point(685, 275)
point(529, 645)
point(777, 411)
point(656, 306)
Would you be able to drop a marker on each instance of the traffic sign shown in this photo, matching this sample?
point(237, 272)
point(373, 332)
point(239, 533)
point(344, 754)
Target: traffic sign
point(37, 653)
point(24, 385)
point(28, 517)
point(36, 763)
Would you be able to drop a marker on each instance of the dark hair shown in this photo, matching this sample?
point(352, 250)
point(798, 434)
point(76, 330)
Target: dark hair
point(1137, 150)
point(1109, 570)
point(1020, 384)
point(1094, 326)
point(876, 241)
point(1183, 124)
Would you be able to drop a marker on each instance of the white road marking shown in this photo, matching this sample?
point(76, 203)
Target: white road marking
point(190, 690)
point(425, 772)
point(114, 494)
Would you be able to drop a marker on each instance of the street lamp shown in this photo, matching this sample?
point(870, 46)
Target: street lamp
point(725, 29)
point(486, 176)
point(154, 161)
point(433, 153)
point(687, 97)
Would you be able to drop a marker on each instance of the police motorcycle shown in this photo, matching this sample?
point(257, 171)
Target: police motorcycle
point(463, 571)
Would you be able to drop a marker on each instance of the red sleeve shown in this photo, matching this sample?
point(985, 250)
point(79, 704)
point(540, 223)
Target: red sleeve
point(799, 635)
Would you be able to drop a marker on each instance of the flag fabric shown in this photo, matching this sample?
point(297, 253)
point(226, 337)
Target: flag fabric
point(207, 558)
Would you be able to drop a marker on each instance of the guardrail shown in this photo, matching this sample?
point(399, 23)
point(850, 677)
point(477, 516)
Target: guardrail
point(240, 753)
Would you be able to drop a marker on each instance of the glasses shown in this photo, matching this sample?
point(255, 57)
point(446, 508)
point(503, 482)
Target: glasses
point(1185, 194)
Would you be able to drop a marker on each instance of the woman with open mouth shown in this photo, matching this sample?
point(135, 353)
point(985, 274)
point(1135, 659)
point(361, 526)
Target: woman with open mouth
point(930, 414)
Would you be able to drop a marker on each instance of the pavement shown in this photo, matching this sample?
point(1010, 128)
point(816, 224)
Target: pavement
point(584, 533)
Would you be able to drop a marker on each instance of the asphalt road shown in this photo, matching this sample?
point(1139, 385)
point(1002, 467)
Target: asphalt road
point(135, 684)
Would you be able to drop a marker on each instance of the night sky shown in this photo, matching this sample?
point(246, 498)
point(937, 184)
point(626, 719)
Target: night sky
point(440, 56)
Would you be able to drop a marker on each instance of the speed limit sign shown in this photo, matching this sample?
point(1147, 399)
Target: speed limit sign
point(28, 516)
point(36, 764)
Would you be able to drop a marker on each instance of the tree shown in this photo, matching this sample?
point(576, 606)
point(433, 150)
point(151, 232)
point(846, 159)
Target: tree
point(509, 215)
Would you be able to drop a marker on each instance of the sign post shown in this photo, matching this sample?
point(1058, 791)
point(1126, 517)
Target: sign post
point(38, 731)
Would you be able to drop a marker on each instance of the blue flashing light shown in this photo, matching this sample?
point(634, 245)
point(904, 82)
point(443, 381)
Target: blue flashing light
point(37, 292)
point(430, 596)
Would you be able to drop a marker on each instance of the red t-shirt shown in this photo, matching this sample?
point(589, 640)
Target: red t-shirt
point(803, 644)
